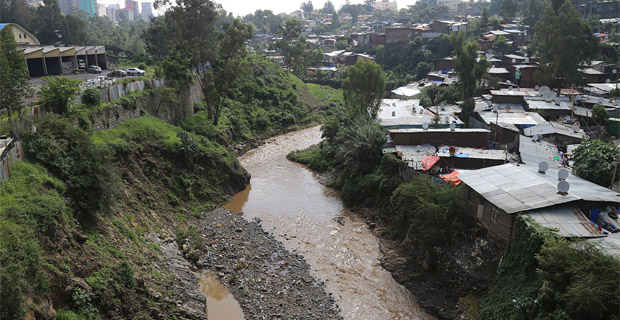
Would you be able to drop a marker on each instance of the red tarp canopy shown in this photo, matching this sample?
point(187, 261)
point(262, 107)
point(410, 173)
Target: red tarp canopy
point(429, 161)
point(451, 178)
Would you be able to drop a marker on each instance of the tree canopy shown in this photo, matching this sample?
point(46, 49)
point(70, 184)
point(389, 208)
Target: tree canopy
point(564, 42)
point(595, 161)
point(363, 89)
point(470, 69)
point(13, 75)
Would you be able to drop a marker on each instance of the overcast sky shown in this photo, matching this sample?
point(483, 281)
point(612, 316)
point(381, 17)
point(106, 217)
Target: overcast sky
point(243, 7)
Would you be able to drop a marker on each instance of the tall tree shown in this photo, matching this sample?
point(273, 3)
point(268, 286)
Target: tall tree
point(533, 11)
point(328, 8)
point(229, 66)
point(564, 42)
point(49, 19)
point(363, 89)
point(14, 79)
point(466, 65)
point(307, 8)
point(58, 92)
point(509, 10)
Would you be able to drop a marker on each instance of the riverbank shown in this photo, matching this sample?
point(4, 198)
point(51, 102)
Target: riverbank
point(267, 280)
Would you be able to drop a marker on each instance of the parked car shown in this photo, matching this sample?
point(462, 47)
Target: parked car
point(94, 69)
point(117, 73)
point(134, 72)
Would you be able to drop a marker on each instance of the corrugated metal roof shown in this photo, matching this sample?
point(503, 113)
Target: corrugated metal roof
point(546, 105)
point(417, 130)
point(512, 118)
point(567, 220)
point(472, 153)
point(513, 189)
point(413, 155)
point(533, 152)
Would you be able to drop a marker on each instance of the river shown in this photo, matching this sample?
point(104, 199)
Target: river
point(300, 212)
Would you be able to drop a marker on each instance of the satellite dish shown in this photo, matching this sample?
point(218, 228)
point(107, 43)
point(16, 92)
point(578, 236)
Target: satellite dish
point(557, 100)
point(495, 108)
point(393, 104)
point(614, 71)
point(578, 98)
point(616, 102)
point(525, 54)
point(577, 124)
point(452, 126)
point(543, 167)
point(567, 118)
point(393, 113)
point(489, 103)
point(535, 137)
point(527, 60)
point(514, 60)
point(563, 187)
point(608, 81)
point(510, 88)
point(537, 87)
point(447, 119)
point(562, 174)
point(425, 125)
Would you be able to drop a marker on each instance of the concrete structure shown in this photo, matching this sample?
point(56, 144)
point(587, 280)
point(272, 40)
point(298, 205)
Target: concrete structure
point(10, 150)
point(131, 5)
point(88, 6)
point(21, 35)
point(386, 5)
point(67, 6)
point(42, 61)
point(101, 10)
point(147, 10)
point(112, 12)
point(460, 137)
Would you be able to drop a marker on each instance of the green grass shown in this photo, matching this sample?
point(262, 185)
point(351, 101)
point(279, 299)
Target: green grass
point(143, 128)
point(325, 93)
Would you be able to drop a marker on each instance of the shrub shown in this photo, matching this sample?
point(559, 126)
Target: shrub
point(91, 97)
point(142, 66)
point(20, 269)
point(86, 169)
point(431, 213)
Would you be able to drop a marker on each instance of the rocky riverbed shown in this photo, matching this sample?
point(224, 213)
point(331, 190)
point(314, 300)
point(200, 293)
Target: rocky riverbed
point(268, 281)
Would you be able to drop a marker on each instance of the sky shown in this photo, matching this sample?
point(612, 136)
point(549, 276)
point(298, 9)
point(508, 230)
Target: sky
point(243, 7)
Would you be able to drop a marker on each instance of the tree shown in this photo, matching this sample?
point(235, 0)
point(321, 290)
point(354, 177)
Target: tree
point(49, 19)
point(58, 92)
point(363, 89)
point(484, 20)
point(501, 44)
point(14, 79)
point(600, 114)
point(307, 8)
point(318, 57)
point(295, 49)
point(228, 67)
point(470, 71)
point(564, 42)
point(342, 44)
point(335, 21)
point(595, 161)
point(509, 10)
point(328, 8)
point(533, 11)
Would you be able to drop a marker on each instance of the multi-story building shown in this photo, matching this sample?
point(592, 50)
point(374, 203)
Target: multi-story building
point(147, 10)
point(127, 13)
point(101, 10)
point(112, 11)
point(131, 5)
point(386, 5)
point(67, 6)
point(88, 6)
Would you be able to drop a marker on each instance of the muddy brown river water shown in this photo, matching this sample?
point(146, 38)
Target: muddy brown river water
point(300, 212)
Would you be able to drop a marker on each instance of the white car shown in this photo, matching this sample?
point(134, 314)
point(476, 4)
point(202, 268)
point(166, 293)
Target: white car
point(134, 72)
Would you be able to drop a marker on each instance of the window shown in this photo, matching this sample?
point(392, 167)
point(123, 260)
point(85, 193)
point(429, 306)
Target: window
point(20, 35)
point(25, 36)
point(495, 215)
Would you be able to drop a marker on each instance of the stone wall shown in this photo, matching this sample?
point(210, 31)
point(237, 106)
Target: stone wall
point(165, 103)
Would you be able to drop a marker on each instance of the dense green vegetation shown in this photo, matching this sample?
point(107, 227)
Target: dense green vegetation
point(32, 207)
point(596, 161)
point(544, 276)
